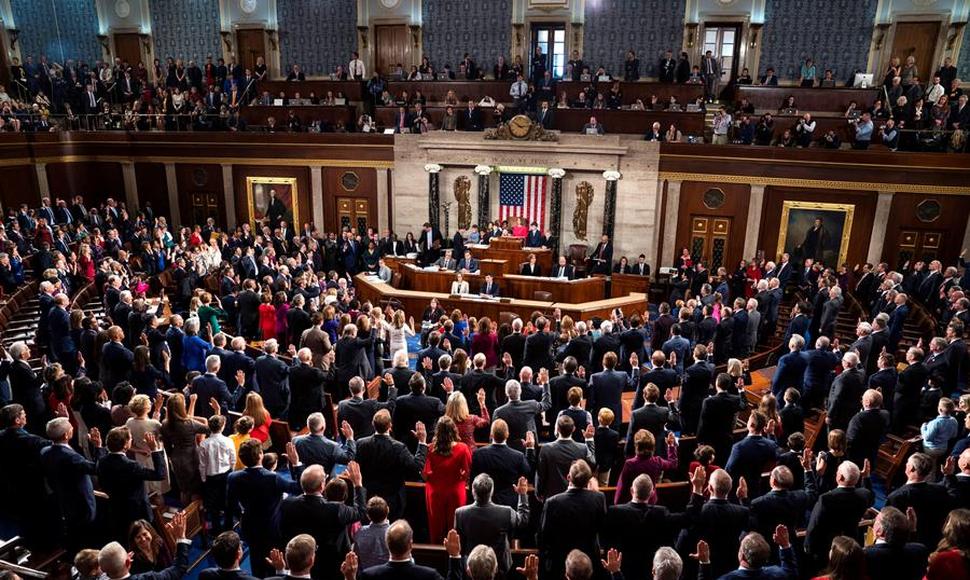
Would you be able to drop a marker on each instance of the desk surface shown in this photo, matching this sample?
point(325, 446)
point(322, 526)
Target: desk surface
point(510, 285)
point(834, 99)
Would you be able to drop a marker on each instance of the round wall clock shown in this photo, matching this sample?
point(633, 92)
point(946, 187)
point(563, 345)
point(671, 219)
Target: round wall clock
point(122, 8)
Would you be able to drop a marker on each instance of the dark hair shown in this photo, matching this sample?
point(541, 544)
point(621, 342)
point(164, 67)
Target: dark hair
point(225, 549)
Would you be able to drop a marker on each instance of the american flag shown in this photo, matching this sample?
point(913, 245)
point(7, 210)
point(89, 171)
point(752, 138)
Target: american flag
point(523, 196)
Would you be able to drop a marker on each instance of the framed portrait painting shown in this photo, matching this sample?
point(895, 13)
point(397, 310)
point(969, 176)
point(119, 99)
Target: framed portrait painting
point(815, 230)
point(272, 200)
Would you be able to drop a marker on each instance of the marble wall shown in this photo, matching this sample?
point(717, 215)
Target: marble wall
point(584, 159)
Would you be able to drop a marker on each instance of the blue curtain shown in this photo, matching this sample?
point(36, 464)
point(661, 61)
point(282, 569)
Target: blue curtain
point(186, 29)
point(317, 35)
point(648, 27)
point(450, 28)
point(61, 29)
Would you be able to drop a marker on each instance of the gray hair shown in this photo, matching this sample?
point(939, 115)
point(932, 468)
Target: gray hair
point(238, 343)
point(305, 355)
point(316, 422)
point(513, 389)
point(212, 363)
point(606, 327)
point(482, 487)
point(58, 428)
point(18, 349)
point(848, 472)
point(865, 328)
point(797, 341)
point(401, 358)
point(482, 563)
point(112, 559)
point(642, 487)
point(667, 564)
point(517, 324)
point(192, 326)
point(356, 385)
point(850, 358)
point(271, 346)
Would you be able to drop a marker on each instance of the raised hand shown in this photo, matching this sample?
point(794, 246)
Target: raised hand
point(291, 454)
point(634, 360)
point(453, 544)
point(530, 440)
point(151, 441)
point(420, 433)
point(507, 359)
point(214, 405)
point(742, 491)
point(347, 431)
point(820, 465)
point(950, 467)
point(94, 436)
point(480, 396)
point(349, 566)
point(698, 479)
point(426, 363)
point(807, 459)
point(177, 526)
point(781, 536)
point(703, 553)
point(669, 396)
point(866, 469)
point(589, 432)
point(522, 486)
point(448, 385)
point(911, 517)
point(531, 568)
point(671, 439)
point(354, 475)
point(276, 560)
point(613, 561)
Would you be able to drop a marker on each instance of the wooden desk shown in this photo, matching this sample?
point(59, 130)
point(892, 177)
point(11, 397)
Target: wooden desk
point(353, 90)
point(637, 90)
point(573, 120)
point(814, 99)
point(513, 254)
point(511, 285)
point(258, 114)
point(415, 278)
point(626, 284)
point(435, 91)
point(414, 301)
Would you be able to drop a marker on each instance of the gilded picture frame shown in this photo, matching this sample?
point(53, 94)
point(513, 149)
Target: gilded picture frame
point(799, 237)
point(258, 197)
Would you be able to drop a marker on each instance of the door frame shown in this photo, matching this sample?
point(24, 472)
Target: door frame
point(235, 43)
point(412, 54)
point(743, 22)
point(879, 59)
point(145, 52)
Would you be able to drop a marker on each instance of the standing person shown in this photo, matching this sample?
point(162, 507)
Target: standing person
point(711, 72)
point(445, 473)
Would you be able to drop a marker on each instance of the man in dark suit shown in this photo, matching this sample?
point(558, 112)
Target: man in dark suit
point(750, 456)
point(227, 553)
point(116, 359)
point(21, 450)
point(386, 463)
point(257, 493)
point(845, 396)
point(820, 362)
point(231, 364)
point(307, 394)
point(315, 449)
point(558, 534)
point(907, 396)
point(401, 566)
point(545, 116)
point(720, 524)
point(784, 504)
point(25, 387)
point(830, 312)
point(321, 512)
point(62, 344)
point(514, 345)
point(608, 341)
point(115, 561)
point(562, 270)
point(273, 380)
point(637, 529)
point(718, 417)
point(957, 477)
point(416, 407)
point(579, 347)
point(837, 512)
point(68, 475)
point(559, 388)
point(485, 523)
point(601, 260)
point(606, 387)
point(892, 556)
point(479, 378)
point(556, 458)
point(930, 501)
point(359, 412)
point(351, 357)
point(471, 118)
point(210, 387)
point(489, 287)
point(654, 418)
point(123, 479)
point(247, 304)
point(660, 375)
point(696, 387)
point(799, 321)
point(538, 347)
point(504, 464)
point(880, 341)
point(867, 429)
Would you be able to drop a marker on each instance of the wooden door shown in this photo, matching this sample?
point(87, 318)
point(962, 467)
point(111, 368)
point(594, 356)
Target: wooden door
point(390, 47)
point(353, 213)
point(709, 240)
point(128, 48)
point(249, 46)
point(915, 245)
point(917, 39)
point(204, 205)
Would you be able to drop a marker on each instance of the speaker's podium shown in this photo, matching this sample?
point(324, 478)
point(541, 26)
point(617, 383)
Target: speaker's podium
point(514, 252)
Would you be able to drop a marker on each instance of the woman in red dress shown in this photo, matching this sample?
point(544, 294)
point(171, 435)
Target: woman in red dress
point(457, 410)
point(260, 416)
point(754, 274)
point(485, 341)
point(267, 318)
point(445, 476)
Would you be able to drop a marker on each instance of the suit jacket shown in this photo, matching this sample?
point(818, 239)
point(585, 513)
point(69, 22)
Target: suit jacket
point(798, 325)
point(257, 492)
point(360, 412)
point(562, 272)
point(273, 382)
point(521, 418)
point(845, 397)
point(492, 525)
point(412, 408)
point(487, 290)
point(306, 394)
point(385, 465)
point(787, 570)
point(836, 513)
point(602, 345)
point(124, 481)
point(637, 530)
point(514, 344)
point(865, 434)
point(932, 504)
point(606, 390)
point(749, 459)
point(829, 313)
point(327, 522)
point(174, 572)
point(654, 419)
point(558, 390)
point(717, 419)
point(554, 461)
point(819, 365)
point(546, 118)
point(580, 348)
point(62, 341)
point(558, 533)
point(318, 450)
point(721, 525)
point(25, 389)
point(663, 378)
point(907, 395)
point(410, 571)
point(900, 561)
point(786, 507)
point(505, 465)
point(115, 364)
point(880, 340)
point(218, 574)
point(479, 379)
point(68, 475)
point(696, 386)
point(351, 358)
point(208, 387)
point(538, 351)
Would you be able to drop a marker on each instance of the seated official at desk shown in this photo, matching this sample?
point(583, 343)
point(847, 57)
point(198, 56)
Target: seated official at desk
point(489, 287)
point(433, 312)
point(447, 262)
point(593, 127)
point(531, 268)
point(383, 272)
point(641, 268)
point(535, 239)
point(622, 267)
point(562, 270)
point(468, 264)
point(460, 285)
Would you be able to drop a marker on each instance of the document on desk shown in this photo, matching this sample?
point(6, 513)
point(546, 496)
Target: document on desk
point(374, 279)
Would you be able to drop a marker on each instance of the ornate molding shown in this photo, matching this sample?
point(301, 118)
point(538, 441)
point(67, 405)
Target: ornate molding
point(813, 183)
point(433, 168)
point(611, 175)
point(483, 170)
point(556, 173)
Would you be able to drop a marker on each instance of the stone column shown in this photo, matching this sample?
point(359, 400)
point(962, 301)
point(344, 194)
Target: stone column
point(434, 195)
point(555, 208)
point(131, 186)
point(383, 222)
point(877, 242)
point(229, 197)
point(755, 204)
point(316, 196)
point(43, 187)
point(670, 223)
point(172, 184)
point(484, 200)
point(609, 206)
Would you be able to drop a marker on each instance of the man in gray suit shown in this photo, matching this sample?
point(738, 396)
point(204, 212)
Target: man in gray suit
point(318, 341)
point(556, 457)
point(483, 522)
point(830, 312)
point(754, 323)
point(447, 262)
point(521, 415)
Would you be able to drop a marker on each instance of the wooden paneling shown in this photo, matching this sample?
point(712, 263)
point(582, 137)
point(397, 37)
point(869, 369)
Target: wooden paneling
point(95, 180)
point(390, 47)
point(335, 185)
point(632, 91)
point(865, 209)
point(806, 99)
point(250, 44)
point(917, 39)
point(128, 48)
point(152, 185)
point(301, 174)
point(735, 209)
point(200, 180)
point(904, 217)
point(436, 91)
point(353, 90)
point(257, 116)
point(19, 186)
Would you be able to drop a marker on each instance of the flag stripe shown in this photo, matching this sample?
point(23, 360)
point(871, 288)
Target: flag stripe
point(523, 196)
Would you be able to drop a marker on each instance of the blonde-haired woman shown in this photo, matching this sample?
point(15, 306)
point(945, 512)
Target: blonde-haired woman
point(457, 410)
point(179, 431)
point(139, 425)
point(398, 331)
point(260, 416)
